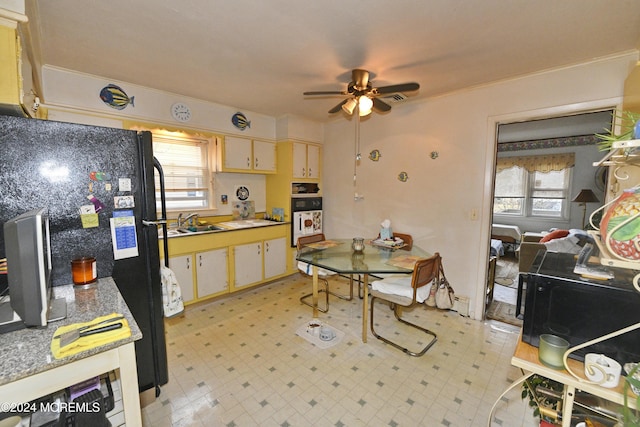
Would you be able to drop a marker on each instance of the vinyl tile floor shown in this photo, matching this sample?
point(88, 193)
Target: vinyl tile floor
point(237, 361)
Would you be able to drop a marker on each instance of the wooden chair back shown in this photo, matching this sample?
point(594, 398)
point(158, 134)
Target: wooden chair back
point(425, 271)
point(313, 238)
point(406, 238)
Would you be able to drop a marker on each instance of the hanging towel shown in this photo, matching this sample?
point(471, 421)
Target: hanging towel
point(90, 341)
point(171, 293)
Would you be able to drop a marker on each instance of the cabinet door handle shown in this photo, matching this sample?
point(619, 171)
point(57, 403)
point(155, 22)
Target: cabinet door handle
point(248, 162)
point(256, 163)
point(266, 247)
point(188, 263)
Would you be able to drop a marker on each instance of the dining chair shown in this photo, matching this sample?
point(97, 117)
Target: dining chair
point(306, 270)
point(408, 244)
point(406, 292)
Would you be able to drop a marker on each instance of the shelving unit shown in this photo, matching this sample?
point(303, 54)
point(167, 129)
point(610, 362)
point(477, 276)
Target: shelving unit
point(622, 153)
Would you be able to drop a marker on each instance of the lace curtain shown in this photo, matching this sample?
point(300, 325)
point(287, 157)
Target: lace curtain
point(546, 163)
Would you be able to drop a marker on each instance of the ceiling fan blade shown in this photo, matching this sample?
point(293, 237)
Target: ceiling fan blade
point(360, 78)
point(338, 107)
point(403, 87)
point(380, 106)
point(328, 92)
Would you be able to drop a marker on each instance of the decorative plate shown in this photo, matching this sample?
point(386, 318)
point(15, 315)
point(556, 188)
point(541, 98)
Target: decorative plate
point(181, 112)
point(242, 193)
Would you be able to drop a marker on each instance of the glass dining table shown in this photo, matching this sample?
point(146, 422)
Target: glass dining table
point(337, 255)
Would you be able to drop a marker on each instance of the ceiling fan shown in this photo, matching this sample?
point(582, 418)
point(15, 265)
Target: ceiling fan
point(363, 95)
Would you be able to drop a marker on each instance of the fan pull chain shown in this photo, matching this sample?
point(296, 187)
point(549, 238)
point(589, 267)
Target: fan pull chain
point(357, 142)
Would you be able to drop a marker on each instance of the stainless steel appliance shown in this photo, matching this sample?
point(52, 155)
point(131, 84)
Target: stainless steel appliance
point(306, 214)
point(98, 186)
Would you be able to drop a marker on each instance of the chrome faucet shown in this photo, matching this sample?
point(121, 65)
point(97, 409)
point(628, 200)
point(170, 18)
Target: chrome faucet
point(190, 218)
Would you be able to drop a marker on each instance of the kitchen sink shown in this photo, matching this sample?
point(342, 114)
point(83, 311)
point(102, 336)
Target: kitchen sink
point(193, 230)
point(200, 228)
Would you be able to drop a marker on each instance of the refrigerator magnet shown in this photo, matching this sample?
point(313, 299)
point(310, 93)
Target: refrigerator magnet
point(123, 202)
point(89, 220)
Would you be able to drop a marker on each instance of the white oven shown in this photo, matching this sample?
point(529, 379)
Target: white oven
point(306, 213)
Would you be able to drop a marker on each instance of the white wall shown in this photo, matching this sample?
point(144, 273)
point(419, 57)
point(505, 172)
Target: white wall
point(66, 90)
point(436, 202)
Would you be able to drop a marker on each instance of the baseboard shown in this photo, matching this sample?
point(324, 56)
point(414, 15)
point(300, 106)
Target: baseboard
point(461, 305)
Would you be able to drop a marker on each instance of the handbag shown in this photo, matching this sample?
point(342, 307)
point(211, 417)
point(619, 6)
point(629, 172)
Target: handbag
point(444, 293)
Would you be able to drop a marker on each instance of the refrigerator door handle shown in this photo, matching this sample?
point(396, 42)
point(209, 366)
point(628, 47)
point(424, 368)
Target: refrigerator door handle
point(149, 223)
point(163, 206)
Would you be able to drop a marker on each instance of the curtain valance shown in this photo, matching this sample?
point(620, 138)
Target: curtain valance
point(545, 163)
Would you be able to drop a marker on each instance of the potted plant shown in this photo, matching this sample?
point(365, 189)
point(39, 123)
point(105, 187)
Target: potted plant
point(529, 390)
point(628, 121)
point(630, 418)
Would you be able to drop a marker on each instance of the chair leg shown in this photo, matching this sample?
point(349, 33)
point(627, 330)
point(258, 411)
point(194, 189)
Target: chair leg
point(396, 309)
point(326, 295)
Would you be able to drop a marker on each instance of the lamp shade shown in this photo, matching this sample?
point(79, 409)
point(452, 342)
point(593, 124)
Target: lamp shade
point(364, 105)
point(349, 106)
point(586, 196)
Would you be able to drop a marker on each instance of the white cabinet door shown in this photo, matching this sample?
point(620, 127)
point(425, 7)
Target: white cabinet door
point(299, 160)
point(313, 161)
point(182, 266)
point(211, 271)
point(306, 160)
point(237, 153)
point(264, 156)
point(275, 257)
point(247, 264)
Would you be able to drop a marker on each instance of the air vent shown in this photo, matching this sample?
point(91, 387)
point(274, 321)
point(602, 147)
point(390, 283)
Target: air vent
point(394, 98)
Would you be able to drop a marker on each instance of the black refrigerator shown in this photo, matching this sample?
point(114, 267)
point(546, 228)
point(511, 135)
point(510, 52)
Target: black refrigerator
point(92, 180)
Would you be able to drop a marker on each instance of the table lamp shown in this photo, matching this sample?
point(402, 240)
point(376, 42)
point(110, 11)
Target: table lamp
point(585, 196)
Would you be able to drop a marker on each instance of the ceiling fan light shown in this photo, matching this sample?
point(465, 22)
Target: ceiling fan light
point(349, 106)
point(364, 105)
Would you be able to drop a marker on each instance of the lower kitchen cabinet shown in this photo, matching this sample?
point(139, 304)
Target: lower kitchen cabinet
point(259, 261)
point(212, 274)
point(275, 257)
point(209, 265)
point(247, 264)
point(182, 267)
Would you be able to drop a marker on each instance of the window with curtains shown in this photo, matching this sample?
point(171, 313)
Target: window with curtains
point(533, 186)
point(185, 162)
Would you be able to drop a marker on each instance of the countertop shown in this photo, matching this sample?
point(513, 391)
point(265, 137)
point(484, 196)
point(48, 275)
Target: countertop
point(226, 226)
point(27, 351)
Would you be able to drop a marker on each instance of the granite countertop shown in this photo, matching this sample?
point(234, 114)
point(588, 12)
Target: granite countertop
point(28, 351)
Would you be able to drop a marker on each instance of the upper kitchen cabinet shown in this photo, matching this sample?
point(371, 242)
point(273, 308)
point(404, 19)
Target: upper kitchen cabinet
point(306, 160)
point(244, 155)
point(10, 74)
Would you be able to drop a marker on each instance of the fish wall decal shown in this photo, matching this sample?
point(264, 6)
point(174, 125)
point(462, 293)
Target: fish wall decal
point(375, 155)
point(115, 97)
point(240, 121)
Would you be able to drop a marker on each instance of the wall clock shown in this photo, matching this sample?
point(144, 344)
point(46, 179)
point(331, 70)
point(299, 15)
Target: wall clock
point(181, 112)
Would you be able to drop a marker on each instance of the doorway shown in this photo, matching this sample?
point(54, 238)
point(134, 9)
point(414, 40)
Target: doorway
point(529, 199)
